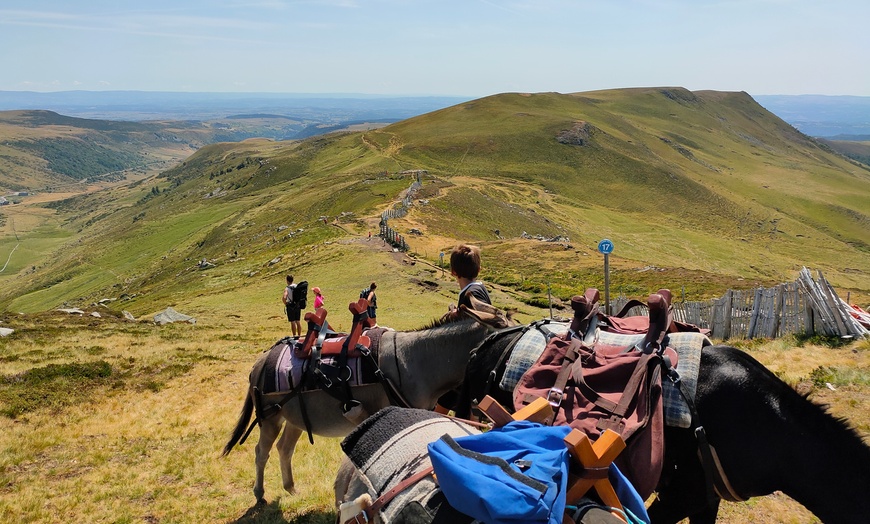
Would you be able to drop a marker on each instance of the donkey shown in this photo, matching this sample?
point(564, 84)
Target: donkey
point(767, 437)
point(423, 364)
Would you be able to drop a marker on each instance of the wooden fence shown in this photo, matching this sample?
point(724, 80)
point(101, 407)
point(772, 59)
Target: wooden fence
point(390, 235)
point(804, 306)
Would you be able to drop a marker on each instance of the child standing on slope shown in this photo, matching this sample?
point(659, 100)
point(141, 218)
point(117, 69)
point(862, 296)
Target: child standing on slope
point(465, 266)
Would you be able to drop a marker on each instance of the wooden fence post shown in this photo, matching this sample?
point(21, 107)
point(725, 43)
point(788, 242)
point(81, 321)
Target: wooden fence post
point(756, 308)
point(716, 329)
point(726, 328)
point(777, 311)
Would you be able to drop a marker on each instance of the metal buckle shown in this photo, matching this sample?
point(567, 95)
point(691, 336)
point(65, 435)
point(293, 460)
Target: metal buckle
point(555, 392)
point(523, 464)
point(360, 518)
point(323, 377)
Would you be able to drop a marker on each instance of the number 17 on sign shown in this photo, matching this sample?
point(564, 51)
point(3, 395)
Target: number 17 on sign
point(605, 247)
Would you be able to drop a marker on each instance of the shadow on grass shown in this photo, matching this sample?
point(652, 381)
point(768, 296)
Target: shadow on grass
point(270, 513)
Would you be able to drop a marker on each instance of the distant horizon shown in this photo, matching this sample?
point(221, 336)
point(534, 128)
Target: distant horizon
point(469, 48)
point(396, 95)
point(815, 114)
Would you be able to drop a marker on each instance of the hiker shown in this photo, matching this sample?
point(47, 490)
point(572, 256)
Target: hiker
point(294, 312)
point(318, 297)
point(369, 294)
point(465, 266)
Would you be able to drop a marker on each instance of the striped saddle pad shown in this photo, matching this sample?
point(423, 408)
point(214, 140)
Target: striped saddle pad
point(284, 370)
point(390, 446)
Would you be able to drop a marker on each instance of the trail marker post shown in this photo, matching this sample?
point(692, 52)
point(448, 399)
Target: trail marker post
point(605, 247)
point(550, 298)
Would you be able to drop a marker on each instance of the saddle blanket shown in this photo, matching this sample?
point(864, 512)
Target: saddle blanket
point(527, 351)
point(284, 370)
point(390, 446)
point(687, 345)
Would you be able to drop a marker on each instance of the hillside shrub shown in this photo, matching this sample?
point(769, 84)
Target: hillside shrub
point(839, 376)
point(53, 386)
point(80, 159)
point(537, 301)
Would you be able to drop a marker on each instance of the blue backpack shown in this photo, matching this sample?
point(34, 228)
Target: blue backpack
point(517, 473)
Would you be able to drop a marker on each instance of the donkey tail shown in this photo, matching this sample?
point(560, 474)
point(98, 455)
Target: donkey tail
point(241, 425)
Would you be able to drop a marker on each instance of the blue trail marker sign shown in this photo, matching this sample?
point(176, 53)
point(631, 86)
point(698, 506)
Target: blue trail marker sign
point(605, 247)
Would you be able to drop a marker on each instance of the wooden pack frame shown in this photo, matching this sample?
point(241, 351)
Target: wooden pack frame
point(590, 460)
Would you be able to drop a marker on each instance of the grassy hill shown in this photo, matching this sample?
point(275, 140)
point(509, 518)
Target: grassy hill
point(855, 149)
point(699, 191)
point(45, 151)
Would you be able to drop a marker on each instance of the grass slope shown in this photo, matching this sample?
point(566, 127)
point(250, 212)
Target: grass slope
point(708, 188)
point(105, 420)
point(42, 150)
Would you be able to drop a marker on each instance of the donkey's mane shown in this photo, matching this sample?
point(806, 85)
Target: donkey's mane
point(814, 414)
point(443, 321)
point(819, 416)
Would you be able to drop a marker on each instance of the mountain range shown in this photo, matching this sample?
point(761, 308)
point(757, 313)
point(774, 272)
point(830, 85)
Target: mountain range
point(699, 191)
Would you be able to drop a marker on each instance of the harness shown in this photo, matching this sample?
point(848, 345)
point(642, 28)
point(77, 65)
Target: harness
point(334, 380)
point(714, 475)
point(502, 359)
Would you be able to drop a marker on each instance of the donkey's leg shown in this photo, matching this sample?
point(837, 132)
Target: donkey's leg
point(286, 446)
point(269, 429)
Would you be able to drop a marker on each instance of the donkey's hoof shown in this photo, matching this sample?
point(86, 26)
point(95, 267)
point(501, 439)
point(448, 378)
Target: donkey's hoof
point(260, 495)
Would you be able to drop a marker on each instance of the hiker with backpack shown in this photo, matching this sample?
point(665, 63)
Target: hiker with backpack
point(293, 304)
point(369, 294)
point(464, 266)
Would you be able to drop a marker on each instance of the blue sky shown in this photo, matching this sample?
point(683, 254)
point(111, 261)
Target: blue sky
point(441, 47)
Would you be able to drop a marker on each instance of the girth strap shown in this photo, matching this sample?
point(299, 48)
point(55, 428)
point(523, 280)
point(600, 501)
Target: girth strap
point(368, 514)
point(715, 477)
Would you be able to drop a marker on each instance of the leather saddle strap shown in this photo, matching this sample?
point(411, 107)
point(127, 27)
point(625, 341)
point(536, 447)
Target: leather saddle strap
point(651, 365)
point(714, 475)
point(385, 498)
point(571, 354)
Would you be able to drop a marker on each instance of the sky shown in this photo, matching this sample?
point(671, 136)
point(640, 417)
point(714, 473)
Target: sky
point(470, 48)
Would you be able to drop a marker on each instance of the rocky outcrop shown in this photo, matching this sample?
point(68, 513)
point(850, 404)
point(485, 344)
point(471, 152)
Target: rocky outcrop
point(579, 134)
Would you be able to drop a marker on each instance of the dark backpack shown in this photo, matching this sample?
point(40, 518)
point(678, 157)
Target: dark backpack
point(365, 293)
point(300, 294)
